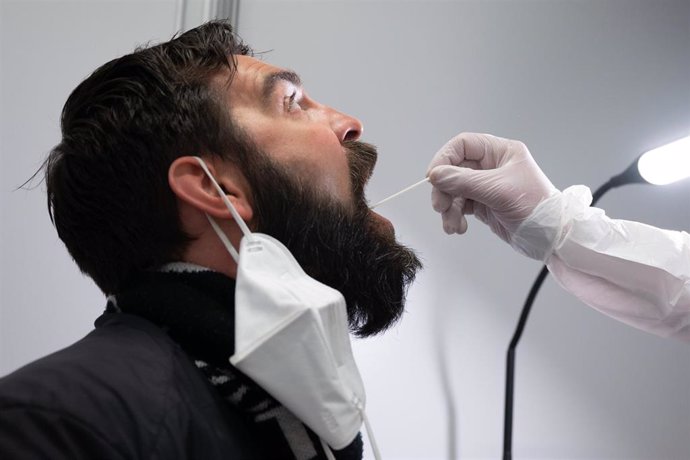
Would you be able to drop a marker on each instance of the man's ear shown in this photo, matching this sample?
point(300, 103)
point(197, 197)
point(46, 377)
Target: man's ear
point(191, 185)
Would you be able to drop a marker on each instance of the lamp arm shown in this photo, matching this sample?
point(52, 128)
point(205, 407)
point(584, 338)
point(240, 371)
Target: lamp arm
point(630, 175)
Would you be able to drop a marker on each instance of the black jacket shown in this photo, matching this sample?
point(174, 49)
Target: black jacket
point(125, 391)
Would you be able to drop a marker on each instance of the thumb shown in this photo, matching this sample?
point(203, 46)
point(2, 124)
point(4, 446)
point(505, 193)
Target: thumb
point(468, 183)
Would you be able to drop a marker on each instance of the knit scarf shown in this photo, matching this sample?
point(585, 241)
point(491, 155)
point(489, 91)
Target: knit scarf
point(196, 307)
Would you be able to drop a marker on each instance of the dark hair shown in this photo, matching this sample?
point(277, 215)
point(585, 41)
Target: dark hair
point(122, 127)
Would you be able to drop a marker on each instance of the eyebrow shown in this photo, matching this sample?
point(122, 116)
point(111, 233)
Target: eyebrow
point(273, 79)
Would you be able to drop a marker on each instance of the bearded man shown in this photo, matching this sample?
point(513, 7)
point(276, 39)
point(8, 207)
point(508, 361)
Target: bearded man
point(134, 206)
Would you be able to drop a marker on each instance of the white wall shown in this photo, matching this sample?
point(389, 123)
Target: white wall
point(47, 48)
point(587, 85)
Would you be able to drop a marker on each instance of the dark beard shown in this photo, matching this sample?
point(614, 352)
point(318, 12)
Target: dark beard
point(338, 245)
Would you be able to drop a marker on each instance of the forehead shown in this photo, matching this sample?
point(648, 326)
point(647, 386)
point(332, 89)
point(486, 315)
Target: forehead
point(252, 72)
point(253, 77)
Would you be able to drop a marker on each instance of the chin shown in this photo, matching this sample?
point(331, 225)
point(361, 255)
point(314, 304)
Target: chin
point(381, 224)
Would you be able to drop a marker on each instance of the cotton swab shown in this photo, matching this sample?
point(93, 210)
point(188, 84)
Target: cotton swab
point(406, 189)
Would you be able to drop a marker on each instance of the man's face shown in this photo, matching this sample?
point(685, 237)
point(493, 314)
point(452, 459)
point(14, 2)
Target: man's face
point(306, 137)
point(307, 173)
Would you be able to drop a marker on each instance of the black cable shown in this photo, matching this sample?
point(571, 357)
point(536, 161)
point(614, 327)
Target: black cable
point(629, 176)
point(510, 365)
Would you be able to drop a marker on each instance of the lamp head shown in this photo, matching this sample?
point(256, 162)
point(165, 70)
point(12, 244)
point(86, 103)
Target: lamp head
point(666, 164)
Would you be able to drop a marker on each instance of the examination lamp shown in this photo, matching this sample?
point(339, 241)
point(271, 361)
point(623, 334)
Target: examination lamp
point(667, 164)
point(664, 165)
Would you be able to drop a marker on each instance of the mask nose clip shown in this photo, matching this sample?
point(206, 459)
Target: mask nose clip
point(254, 246)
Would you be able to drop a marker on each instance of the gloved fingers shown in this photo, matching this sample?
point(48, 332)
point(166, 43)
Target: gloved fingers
point(440, 201)
point(465, 147)
point(467, 183)
point(454, 221)
point(479, 147)
point(451, 209)
point(471, 164)
point(487, 151)
point(490, 152)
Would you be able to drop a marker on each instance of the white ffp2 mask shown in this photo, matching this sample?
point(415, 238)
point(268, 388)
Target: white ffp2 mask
point(291, 336)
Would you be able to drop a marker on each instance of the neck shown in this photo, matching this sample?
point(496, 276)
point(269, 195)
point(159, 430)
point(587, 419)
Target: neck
point(194, 304)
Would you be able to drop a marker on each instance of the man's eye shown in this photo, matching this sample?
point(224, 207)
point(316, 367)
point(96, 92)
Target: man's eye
point(291, 102)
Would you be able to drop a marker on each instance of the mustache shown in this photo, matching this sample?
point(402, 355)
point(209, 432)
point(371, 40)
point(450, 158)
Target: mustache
point(361, 159)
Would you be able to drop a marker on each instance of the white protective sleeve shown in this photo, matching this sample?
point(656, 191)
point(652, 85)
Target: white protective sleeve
point(635, 273)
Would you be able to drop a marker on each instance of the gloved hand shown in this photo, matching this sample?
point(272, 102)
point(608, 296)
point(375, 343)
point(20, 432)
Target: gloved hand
point(493, 178)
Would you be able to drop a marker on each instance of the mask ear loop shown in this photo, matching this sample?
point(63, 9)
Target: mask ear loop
point(235, 215)
point(224, 239)
point(327, 450)
point(370, 434)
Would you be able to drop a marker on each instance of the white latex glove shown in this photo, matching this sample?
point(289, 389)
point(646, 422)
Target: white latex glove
point(633, 272)
point(493, 178)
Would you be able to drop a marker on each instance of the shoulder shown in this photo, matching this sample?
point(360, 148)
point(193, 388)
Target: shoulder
point(122, 358)
point(120, 383)
point(128, 386)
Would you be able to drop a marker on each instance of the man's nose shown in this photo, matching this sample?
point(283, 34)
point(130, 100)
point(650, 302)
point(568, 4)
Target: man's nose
point(347, 128)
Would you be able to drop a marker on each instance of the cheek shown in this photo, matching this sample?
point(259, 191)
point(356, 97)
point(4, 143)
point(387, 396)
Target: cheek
point(309, 149)
point(319, 159)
